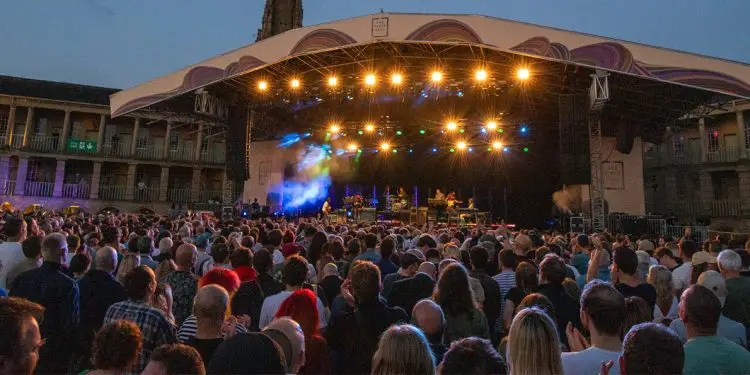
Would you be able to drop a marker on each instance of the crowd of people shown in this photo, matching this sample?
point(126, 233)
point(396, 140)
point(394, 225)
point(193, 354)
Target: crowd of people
point(128, 293)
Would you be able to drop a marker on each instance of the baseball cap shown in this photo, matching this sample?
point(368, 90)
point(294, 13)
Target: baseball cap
point(289, 249)
point(701, 257)
point(417, 253)
point(714, 281)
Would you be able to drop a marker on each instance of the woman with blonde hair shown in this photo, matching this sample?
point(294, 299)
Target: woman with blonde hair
point(667, 306)
point(403, 349)
point(128, 263)
point(533, 344)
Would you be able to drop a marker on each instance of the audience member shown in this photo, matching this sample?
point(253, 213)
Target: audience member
point(80, 264)
point(331, 282)
point(290, 338)
point(21, 340)
point(128, 263)
point(183, 282)
point(11, 252)
point(429, 317)
point(551, 277)
point(628, 280)
point(681, 275)
point(407, 292)
point(533, 344)
point(301, 306)
point(526, 282)
point(637, 311)
point(454, 296)
point(294, 275)
point(403, 349)
point(667, 304)
point(492, 296)
point(210, 308)
point(472, 356)
point(175, 359)
point(652, 349)
point(116, 348)
point(233, 357)
point(410, 262)
point(737, 305)
point(32, 253)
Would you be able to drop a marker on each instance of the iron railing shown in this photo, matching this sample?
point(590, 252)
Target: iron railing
point(8, 187)
point(43, 143)
point(213, 157)
point(178, 195)
point(723, 155)
point(182, 154)
point(146, 194)
point(116, 149)
point(16, 141)
point(81, 191)
point(112, 192)
point(150, 152)
point(726, 207)
point(209, 195)
point(38, 189)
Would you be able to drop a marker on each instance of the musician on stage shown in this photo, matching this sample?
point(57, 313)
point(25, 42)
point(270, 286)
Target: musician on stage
point(471, 203)
point(357, 206)
point(439, 195)
point(326, 207)
point(451, 199)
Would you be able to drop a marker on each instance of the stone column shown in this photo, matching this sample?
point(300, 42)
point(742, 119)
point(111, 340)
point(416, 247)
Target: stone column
point(706, 193)
point(704, 139)
point(4, 171)
point(59, 178)
point(195, 186)
point(741, 134)
point(198, 142)
point(10, 124)
point(670, 192)
point(66, 130)
point(28, 126)
point(23, 166)
point(130, 184)
point(166, 140)
point(100, 136)
point(743, 173)
point(95, 177)
point(134, 141)
point(164, 184)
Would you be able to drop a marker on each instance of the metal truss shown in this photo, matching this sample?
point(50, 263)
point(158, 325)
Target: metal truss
point(599, 95)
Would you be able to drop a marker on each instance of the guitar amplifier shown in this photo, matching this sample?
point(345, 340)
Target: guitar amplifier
point(368, 215)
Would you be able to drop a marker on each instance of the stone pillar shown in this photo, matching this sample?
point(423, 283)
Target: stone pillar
point(23, 166)
point(163, 184)
point(198, 142)
point(743, 173)
point(741, 134)
point(59, 178)
point(4, 171)
point(28, 126)
point(166, 140)
point(704, 139)
point(100, 136)
point(136, 125)
point(95, 177)
point(670, 192)
point(130, 184)
point(66, 130)
point(706, 193)
point(195, 186)
point(10, 124)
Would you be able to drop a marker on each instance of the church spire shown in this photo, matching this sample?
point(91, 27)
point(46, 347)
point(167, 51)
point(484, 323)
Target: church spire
point(280, 16)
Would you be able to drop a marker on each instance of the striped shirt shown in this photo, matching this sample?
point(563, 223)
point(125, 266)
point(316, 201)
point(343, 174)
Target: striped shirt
point(506, 280)
point(189, 328)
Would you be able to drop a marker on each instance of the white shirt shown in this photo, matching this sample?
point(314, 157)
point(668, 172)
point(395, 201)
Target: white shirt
point(272, 303)
point(681, 276)
point(10, 256)
point(589, 361)
point(671, 314)
point(278, 257)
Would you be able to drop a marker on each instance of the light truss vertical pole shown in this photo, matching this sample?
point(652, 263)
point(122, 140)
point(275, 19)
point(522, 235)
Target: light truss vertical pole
point(596, 191)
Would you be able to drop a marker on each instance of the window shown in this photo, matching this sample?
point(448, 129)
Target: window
point(141, 142)
point(678, 143)
point(32, 170)
point(174, 141)
point(713, 140)
point(40, 127)
point(77, 130)
point(204, 144)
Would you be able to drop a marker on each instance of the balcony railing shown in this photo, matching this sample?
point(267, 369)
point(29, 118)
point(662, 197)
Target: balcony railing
point(80, 191)
point(116, 149)
point(209, 195)
point(723, 155)
point(3, 140)
point(43, 143)
point(112, 192)
point(8, 187)
point(726, 207)
point(150, 152)
point(687, 157)
point(182, 154)
point(687, 208)
point(16, 141)
point(146, 194)
point(213, 157)
point(178, 195)
point(38, 189)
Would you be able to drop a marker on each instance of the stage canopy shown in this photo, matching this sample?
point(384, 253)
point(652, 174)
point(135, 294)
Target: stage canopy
point(519, 39)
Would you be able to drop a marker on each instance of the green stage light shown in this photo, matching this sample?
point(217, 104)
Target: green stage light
point(460, 130)
point(395, 151)
point(453, 149)
point(500, 130)
point(399, 132)
point(360, 132)
point(422, 131)
point(525, 149)
point(489, 148)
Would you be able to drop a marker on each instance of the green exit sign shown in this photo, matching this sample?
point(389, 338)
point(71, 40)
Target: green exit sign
point(77, 145)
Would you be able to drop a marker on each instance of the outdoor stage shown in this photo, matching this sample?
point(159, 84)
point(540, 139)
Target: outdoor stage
point(442, 101)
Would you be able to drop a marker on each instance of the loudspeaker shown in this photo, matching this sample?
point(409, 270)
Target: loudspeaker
point(368, 215)
point(577, 225)
point(575, 166)
point(625, 138)
point(236, 143)
point(634, 226)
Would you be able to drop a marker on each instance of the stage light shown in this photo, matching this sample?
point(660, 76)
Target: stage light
point(506, 149)
point(295, 83)
point(395, 151)
point(471, 149)
point(370, 128)
point(497, 145)
point(461, 130)
point(333, 81)
point(436, 76)
point(360, 132)
point(399, 132)
point(524, 129)
point(334, 129)
point(500, 130)
point(481, 75)
point(525, 149)
point(370, 80)
point(422, 131)
point(411, 150)
point(461, 145)
point(452, 149)
point(352, 147)
point(262, 86)
point(452, 125)
point(523, 74)
point(483, 130)
point(385, 146)
point(489, 148)
point(491, 125)
point(396, 79)
point(434, 149)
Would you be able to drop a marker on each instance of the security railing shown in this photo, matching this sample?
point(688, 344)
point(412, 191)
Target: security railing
point(150, 152)
point(43, 143)
point(112, 192)
point(16, 141)
point(178, 195)
point(8, 187)
point(81, 191)
point(182, 154)
point(205, 196)
point(38, 189)
point(116, 149)
point(213, 157)
point(146, 194)
point(723, 155)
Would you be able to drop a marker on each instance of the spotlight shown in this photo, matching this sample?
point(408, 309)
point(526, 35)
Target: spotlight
point(481, 75)
point(452, 125)
point(295, 83)
point(370, 128)
point(334, 129)
point(524, 129)
point(471, 149)
point(461, 130)
point(437, 76)
point(385, 146)
point(452, 149)
point(461, 145)
point(523, 74)
point(506, 149)
point(370, 80)
point(399, 132)
point(262, 86)
point(434, 149)
point(333, 81)
point(422, 131)
point(525, 149)
point(491, 125)
point(352, 147)
point(500, 130)
point(497, 145)
point(395, 151)
point(396, 79)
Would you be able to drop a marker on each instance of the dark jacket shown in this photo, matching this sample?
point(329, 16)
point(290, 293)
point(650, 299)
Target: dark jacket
point(331, 287)
point(492, 300)
point(353, 337)
point(99, 290)
point(566, 308)
point(50, 287)
point(268, 284)
point(248, 300)
point(407, 292)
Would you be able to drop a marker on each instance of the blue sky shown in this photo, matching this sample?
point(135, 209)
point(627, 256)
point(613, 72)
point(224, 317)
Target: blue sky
point(120, 43)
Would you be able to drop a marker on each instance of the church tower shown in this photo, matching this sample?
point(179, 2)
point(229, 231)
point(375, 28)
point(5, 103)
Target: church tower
point(280, 16)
